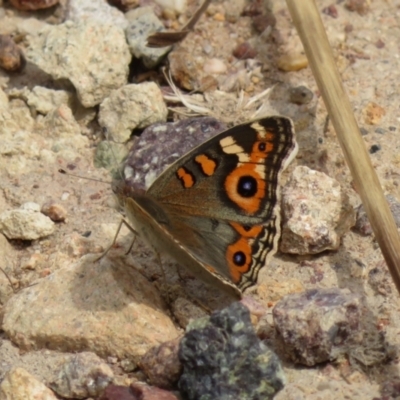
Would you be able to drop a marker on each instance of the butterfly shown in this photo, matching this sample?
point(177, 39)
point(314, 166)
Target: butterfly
point(216, 209)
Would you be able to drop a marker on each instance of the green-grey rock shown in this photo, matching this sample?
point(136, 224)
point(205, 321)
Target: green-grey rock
point(223, 359)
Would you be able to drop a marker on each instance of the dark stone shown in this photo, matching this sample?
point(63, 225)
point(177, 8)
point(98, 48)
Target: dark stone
point(381, 131)
point(318, 325)
point(374, 148)
point(223, 359)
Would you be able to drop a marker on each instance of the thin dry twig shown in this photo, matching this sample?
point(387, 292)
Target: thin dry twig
point(309, 25)
point(164, 39)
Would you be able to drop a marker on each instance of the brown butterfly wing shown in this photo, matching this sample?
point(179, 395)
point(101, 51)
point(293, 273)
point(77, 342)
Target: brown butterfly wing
point(222, 198)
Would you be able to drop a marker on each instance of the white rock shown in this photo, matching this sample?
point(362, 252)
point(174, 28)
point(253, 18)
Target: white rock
point(25, 224)
point(316, 213)
point(94, 57)
point(43, 100)
point(132, 106)
point(175, 5)
point(98, 11)
point(214, 66)
point(142, 22)
point(18, 384)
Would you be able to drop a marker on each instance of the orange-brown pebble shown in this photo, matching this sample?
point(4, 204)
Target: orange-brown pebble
point(219, 17)
point(359, 6)
point(32, 5)
point(292, 62)
point(55, 212)
point(11, 58)
point(244, 51)
point(373, 113)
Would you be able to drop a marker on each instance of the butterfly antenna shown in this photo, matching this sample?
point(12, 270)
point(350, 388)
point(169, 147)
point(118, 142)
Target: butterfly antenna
point(64, 172)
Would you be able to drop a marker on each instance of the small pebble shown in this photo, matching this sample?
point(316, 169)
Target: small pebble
point(128, 365)
point(380, 44)
point(381, 131)
point(219, 17)
point(359, 6)
point(300, 95)
point(331, 11)
point(392, 128)
point(32, 5)
point(214, 66)
point(374, 148)
point(363, 131)
point(244, 51)
point(373, 113)
point(348, 28)
point(292, 62)
point(11, 57)
point(55, 212)
point(161, 364)
point(262, 22)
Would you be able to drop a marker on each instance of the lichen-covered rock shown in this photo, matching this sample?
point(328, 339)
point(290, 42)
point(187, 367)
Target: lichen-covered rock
point(94, 57)
point(142, 23)
point(316, 213)
point(130, 107)
point(223, 359)
point(318, 325)
point(161, 144)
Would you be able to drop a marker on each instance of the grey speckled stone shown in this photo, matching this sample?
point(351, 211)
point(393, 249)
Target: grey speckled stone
point(319, 324)
point(161, 144)
point(142, 22)
point(223, 359)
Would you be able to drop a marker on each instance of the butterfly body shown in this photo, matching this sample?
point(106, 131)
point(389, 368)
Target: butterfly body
point(216, 209)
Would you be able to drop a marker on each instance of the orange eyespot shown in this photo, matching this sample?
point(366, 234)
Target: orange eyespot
point(246, 188)
point(238, 257)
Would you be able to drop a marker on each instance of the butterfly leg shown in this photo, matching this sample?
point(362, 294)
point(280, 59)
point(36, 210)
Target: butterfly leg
point(122, 222)
point(161, 266)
